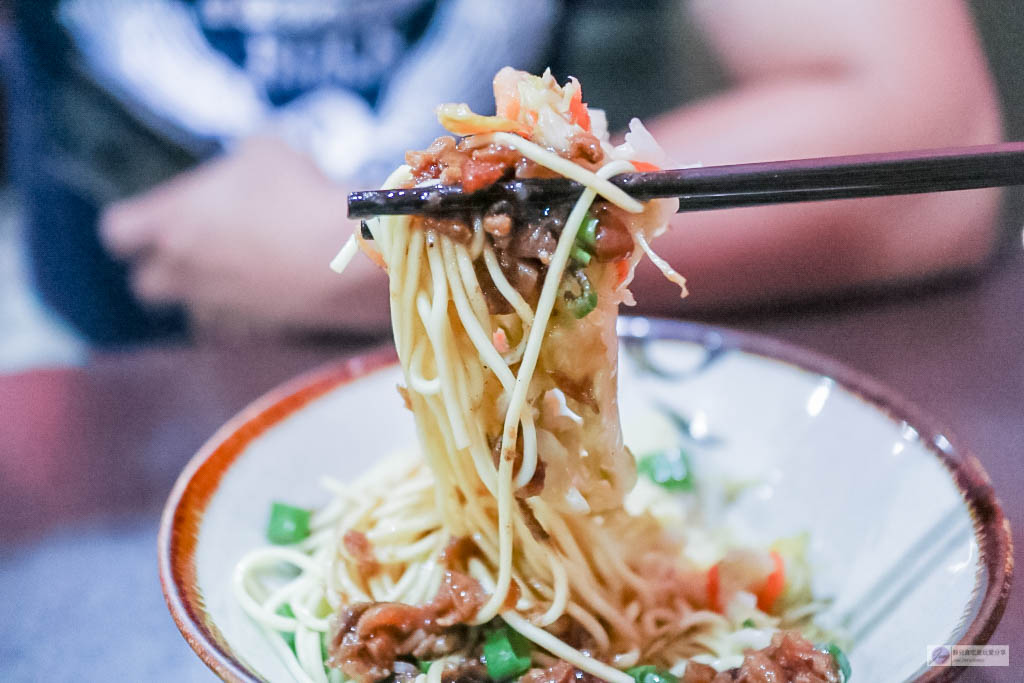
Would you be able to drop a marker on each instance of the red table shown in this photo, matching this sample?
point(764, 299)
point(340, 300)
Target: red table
point(94, 445)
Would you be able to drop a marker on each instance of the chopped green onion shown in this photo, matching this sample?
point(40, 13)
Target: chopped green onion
point(748, 623)
point(424, 666)
point(580, 306)
point(285, 610)
point(580, 256)
point(587, 236)
point(287, 524)
point(506, 654)
point(651, 674)
point(842, 663)
point(670, 469)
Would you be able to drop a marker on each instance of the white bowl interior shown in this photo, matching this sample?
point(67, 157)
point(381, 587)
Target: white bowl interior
point(891, 537)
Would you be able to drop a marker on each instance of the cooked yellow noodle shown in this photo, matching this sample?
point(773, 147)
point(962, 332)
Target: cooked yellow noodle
point(409, 507)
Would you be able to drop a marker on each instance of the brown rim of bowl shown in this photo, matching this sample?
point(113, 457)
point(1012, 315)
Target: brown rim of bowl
point(179, 524)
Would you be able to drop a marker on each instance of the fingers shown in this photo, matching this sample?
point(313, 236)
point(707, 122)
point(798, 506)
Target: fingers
point(158, 281)
point(129, 228)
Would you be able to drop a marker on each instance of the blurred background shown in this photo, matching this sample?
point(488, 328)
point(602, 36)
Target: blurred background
point(112, 374)
point(106, 115)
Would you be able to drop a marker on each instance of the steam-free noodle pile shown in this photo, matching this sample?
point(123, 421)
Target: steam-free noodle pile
point(509, 517)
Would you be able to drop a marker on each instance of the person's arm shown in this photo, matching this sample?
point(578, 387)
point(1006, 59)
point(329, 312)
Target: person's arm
point(818, 79)
point(244, 241)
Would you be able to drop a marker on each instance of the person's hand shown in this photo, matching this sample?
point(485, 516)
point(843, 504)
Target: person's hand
point(243, 243)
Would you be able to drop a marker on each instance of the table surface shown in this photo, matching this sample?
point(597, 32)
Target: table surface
point(88, 454)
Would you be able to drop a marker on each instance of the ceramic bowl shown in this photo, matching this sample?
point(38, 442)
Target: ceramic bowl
point(906, 538)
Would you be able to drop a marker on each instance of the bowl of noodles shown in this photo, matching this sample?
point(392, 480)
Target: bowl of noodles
point(531, 488)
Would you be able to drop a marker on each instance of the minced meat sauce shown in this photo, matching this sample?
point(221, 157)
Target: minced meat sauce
point(789, 659)
point(368, 639)
point(383, 641)
point(523, 238)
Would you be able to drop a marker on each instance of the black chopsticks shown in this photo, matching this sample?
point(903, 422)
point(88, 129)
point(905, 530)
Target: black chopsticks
point(720, 187)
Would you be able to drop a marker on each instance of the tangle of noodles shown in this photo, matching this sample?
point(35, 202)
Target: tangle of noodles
point(515, 456)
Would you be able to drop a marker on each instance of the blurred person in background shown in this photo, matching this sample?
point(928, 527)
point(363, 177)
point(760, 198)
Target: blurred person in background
point(289, 105)
point(237, 127)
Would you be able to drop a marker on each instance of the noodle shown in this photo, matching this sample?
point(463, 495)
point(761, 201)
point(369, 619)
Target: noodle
point(520, 454)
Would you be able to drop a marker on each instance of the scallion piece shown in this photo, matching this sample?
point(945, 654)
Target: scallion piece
point(748, 623)
point(669, 469)
point(581, 305)
point(587, 236)
point(580, 256)
point(288, 524)
point(424, 665)
point(506, 654)
point(842, 663)
point(651, 674)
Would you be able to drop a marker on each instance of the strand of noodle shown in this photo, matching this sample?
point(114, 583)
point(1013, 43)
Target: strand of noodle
point(472, 286)
point(339, 580)
point(562, 650)
point(285, 654)
point(398, 529)
point(403, 307)
point(561, 597)
point(340, 491)
point(399, 258)
point(437, 669)
point(306, 617)
point(514, 298)
point(612, 557)
point(626, 660)
point(405, 581)
point(315, 540)
point(419, 592)
point(506, 289)
point(488, 354)
point(416, 379)
point(545, 304)
point(666, 269)
point(255, 610)
point(437, 332)
point(402, 553)
point(326, 516)
point(284, 594)
point(266, 556)
point(584, 584)
point(479, 238)
point(380, 584)
point(517, 403)
point(446, 474)
point(482, 462)
point(396, 504)
point(400, 177)
point(439, 460)
point(597, 540)
point(548, 159)
point(528, 464)
point(340, 262)
point(434, 585)
point(591, 624)
point(307, 649)
point(481, 340)
point(347, 585)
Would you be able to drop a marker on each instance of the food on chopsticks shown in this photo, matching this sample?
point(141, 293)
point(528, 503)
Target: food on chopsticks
point(503, 549)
